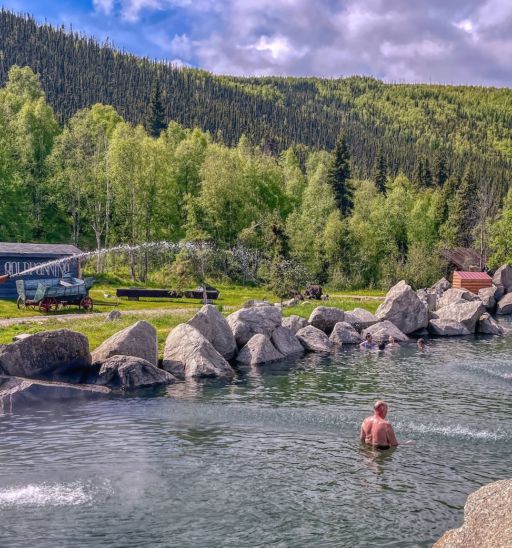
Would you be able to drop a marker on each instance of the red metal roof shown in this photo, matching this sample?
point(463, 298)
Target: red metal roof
point(472, 275)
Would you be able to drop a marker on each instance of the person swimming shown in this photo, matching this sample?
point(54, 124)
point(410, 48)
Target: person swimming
point(368, 343)
point(376, 430)
point(422, 345)
point(392, 342)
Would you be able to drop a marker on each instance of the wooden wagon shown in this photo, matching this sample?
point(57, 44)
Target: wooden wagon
point(51, 293)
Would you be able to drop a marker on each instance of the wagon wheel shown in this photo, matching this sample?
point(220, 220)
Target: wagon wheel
point(86, 303)
point(48, 304)
point(20, 303)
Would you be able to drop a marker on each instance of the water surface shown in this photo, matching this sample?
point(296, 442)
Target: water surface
point(271, 459)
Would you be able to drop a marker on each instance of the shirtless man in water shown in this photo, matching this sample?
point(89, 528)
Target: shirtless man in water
point(376, 430)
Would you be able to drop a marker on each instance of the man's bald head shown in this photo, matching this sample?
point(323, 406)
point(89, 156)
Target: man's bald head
point(381, 408)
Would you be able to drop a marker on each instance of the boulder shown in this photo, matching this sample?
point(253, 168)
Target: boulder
point(286, 342)
point(455, 295)
point(447, 328)
point(17, 392)
point(129, 372)
point(486, 295)
point(255, 302)
point(487, 519)
point(504, 306)
point(291, 302)
point(500, 291)
point(21, 336)
point(294, 323)
point(381, 332)
point(345, 333)
point(428, 298)
point(259, 349)
point(137, 340)
point(465, 312)
point(60, 355)
point(257, 320)
point(314, 339)
point(503, 277)
point(360, 318)
point(113, 315)
point(187, 353)
point(403, 308)
point(488, 325)
point(440, 287)
point(326, 317)
point(213, 325)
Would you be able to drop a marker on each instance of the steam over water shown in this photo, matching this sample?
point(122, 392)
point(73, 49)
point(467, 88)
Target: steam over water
point(271, 459)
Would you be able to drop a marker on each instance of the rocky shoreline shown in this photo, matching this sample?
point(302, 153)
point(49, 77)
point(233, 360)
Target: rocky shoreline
point(54, 364)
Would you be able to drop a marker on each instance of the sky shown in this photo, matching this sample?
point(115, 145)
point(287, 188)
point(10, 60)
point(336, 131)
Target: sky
point(438, 41)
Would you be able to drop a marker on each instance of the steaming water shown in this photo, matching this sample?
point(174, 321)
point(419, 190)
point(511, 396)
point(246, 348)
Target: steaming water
point(271, 459)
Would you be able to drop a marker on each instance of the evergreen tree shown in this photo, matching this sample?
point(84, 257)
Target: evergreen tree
point(155, 122)
point(380, 173)
point(338, 175)
point(439, 169)
point(464, 214)
point(427, 174)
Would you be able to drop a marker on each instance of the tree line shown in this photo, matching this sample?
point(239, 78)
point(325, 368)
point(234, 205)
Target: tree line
point(100, 181)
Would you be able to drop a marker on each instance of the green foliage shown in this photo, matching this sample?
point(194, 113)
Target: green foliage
point(338, 175)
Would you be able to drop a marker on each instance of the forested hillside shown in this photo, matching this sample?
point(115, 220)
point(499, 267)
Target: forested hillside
point(98, 148)
point(416, 127)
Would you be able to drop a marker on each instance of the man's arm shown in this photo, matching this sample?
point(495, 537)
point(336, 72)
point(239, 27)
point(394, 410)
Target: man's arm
point(391, 436)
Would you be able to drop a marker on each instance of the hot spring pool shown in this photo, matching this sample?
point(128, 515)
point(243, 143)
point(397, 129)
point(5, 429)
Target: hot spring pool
point(271, 459)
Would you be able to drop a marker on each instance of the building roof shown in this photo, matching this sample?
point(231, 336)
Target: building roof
point(472, 275)
point(11, 248)
point(464, 257)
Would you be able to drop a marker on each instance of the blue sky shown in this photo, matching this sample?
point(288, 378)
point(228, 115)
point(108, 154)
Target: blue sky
point(447, 41)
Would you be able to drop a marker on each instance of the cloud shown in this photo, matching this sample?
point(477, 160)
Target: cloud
point(460, 41)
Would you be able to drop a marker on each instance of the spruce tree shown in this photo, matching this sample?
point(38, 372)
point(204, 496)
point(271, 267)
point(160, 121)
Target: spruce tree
point(155, 113)
point(464, 215)
point(338, 175)
point(439, 169)
point(380, 173)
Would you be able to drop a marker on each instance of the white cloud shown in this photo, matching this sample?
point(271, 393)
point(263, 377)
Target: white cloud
point(104, 6)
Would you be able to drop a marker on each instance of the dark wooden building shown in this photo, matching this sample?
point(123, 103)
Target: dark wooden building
point(15, 258)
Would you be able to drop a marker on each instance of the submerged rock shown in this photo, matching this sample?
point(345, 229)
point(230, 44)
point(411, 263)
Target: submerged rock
point(313, 339)
point(489, 326)
point(381, 332)
point(50, 355)
point(286, 342)
point(326, 317)
point(129, 372)
point(258, 349)
point(447, 328)
point(214, 326)
point(257, 320)
point(187, 353)
point(487, 519)
point(360, 318)
point(505, 305)
point(294, 323)
point(403, 308)
point(138, 340)
point(17, 392)
point(465, 312)
point(345, 333)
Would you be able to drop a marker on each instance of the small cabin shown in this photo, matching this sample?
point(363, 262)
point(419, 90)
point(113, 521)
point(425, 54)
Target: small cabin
point(17, 257)
point(472, 281)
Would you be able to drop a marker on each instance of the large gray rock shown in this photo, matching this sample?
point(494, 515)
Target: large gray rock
point(503, 277)
point(487, 519)
point(381, 332)
point(360, 318)
point(465, 312)
point(326, 317)
point(403, 308)
point(504, 306)
point(440, 287)
point(246, 322)
point(428, 298)
point(286, 342)
point(455, 295)
point(214, 326)
point(17, 392)
point(138, 340)
point(344, 333)
point(487, 296)
point(49, 355)
point(294, 323)
point(128, 372)
point(314, 339)
point(447, 328)
point(187, 353)
point(489, 326)
point(259, 349)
